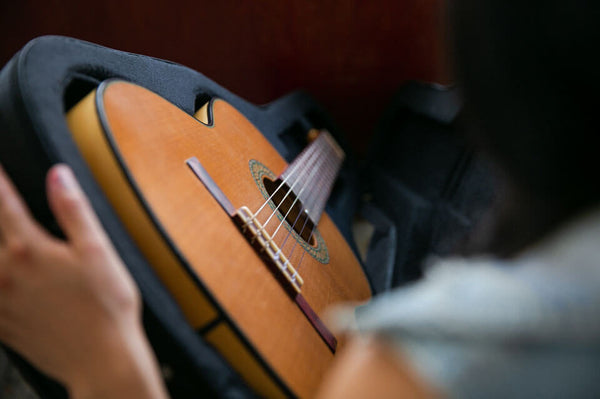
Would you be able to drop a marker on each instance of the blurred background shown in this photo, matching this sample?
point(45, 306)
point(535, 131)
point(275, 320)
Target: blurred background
point(351, 55)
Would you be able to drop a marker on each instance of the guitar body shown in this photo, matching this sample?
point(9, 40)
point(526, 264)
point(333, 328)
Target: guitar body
point(137, 144)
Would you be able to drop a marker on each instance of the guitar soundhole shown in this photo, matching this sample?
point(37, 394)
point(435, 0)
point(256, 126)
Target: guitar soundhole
point(291, 209)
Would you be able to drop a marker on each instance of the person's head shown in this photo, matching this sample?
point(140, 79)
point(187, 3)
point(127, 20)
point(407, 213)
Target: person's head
point(530, 75)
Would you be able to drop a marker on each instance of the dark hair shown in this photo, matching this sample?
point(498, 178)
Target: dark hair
point(529, 73)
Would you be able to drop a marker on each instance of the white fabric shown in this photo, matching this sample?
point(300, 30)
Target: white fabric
point(488, 328)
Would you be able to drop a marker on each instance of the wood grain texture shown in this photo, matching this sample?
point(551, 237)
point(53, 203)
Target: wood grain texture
point(154, 139)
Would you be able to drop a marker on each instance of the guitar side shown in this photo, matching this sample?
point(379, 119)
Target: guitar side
point(136, 145)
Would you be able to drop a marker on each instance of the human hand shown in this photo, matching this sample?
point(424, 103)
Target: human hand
point(69, 306)
point(369, 367)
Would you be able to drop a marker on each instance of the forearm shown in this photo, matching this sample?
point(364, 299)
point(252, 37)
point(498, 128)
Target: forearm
point(368, 368)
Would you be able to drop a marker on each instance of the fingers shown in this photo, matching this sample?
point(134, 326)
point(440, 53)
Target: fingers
point(71, 207)
point(15, 219)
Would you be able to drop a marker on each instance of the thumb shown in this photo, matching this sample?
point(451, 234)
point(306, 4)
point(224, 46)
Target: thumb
point(71, 207)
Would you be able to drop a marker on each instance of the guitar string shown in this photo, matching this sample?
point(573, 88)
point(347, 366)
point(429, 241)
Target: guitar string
point(291, 188)
point(296, 242)
point(304, 252)
point(312, 149)
point(304, 210)
point(324, 158)
point(323, 192)
point(326, 180)
point(299, 194)
point(326, 184)
point(275, 211)
point(331, 172)
point(328, 170)
point(321, 181)
point(282, 184)
point(290, 232)
point(292, 171)
point(322, 138)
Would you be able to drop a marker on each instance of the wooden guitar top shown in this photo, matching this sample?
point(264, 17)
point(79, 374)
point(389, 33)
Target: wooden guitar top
point(137, 144)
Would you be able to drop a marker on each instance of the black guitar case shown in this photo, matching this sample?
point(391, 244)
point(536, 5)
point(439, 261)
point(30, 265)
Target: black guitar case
point(420, 188)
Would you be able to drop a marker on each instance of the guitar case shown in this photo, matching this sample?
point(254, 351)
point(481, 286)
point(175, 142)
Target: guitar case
point(420, 188)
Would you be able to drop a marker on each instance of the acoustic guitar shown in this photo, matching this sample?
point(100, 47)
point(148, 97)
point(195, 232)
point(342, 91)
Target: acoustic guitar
point(238, 236)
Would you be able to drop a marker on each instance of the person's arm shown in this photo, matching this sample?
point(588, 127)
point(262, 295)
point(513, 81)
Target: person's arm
point(69, 306)
point(371, 368)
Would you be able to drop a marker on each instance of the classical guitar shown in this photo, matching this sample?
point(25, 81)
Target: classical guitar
point(238, 236)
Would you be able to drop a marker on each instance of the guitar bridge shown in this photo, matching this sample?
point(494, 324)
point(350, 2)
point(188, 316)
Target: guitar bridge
point(262, 242)
point(266, 248)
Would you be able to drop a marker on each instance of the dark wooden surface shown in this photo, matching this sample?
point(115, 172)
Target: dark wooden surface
point(352, 55)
